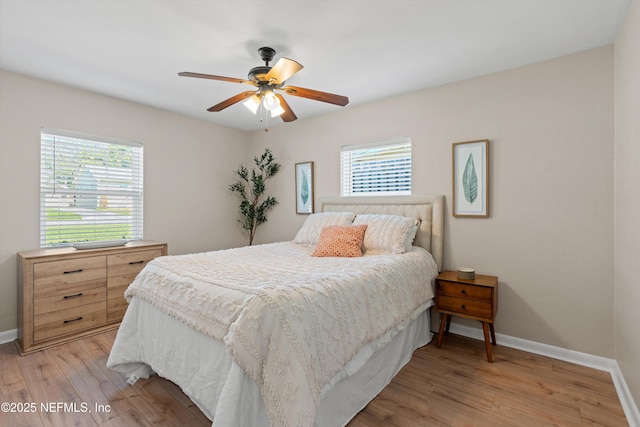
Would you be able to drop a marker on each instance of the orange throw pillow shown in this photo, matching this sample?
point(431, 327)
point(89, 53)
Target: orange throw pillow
point(340, 241)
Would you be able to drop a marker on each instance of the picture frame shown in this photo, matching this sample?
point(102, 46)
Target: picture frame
point(304, 188)
point(471, 179)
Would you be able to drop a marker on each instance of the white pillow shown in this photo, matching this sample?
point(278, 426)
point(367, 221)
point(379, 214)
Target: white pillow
point(387, 233)
point(309, 233)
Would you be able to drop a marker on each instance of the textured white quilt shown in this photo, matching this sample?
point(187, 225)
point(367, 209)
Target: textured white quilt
point(289, 320)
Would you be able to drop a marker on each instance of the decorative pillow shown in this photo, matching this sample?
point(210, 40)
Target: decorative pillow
point(388, 233)
point(309, 233)
point(340, 241)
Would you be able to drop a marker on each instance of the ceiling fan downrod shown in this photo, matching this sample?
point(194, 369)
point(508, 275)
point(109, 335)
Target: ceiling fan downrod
point(267, 54)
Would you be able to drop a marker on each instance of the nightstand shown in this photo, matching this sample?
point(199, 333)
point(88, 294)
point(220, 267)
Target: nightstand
point(474, 299)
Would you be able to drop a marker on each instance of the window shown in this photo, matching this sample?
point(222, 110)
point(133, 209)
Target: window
point(90, 189)
point(379, 168)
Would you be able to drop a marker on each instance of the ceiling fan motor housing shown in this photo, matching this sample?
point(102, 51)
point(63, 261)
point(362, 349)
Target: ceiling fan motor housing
point(257, 74)
point(267, 54)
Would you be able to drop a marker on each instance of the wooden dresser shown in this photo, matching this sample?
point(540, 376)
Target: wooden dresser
point(64, 293)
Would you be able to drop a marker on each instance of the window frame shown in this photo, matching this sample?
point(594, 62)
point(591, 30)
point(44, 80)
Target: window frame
point(103, 178)
point(347, 171)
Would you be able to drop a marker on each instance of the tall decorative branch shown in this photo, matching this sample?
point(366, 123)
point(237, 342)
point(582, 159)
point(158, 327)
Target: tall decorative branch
point(250, 187)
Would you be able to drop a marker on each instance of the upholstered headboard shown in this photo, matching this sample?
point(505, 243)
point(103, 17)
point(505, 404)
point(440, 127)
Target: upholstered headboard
point(427, 208)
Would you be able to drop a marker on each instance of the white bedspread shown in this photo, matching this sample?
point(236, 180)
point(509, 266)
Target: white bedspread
point(289, 320)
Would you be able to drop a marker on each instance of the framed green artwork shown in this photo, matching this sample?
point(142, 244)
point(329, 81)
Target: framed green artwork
point(304, 188)
point(471, 179)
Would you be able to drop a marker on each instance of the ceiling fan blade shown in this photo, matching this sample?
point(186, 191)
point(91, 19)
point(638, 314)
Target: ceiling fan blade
point(316, 95)
point(283, 69)
point(229, 102)
point(288, 115)
point(212, 77)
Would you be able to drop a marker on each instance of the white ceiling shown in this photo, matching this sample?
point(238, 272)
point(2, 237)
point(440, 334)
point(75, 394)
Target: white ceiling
point(363, 49)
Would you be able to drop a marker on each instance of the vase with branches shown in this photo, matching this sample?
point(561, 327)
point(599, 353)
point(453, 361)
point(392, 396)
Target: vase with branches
point(251, 186)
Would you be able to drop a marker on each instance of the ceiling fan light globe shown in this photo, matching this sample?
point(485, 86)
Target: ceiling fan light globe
point(270, 101)
point(252, 104)
point(277, 111)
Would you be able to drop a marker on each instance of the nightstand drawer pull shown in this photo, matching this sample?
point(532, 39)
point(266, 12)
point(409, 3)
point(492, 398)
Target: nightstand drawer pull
point(135, 262)
point(74, 271)
point(73, 296)
point(72, 320)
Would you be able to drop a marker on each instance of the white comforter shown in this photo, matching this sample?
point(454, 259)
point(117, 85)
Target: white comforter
point(289, 320)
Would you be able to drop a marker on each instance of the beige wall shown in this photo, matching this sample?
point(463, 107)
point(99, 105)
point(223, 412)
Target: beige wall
point(188, 165)
point(550, 234)
point(549, 237)
point(627, 201)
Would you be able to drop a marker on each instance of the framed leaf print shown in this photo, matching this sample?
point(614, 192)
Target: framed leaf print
point(304, 188)
point(471, 179)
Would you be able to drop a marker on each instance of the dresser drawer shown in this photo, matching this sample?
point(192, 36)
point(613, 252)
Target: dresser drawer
point(116, 307)
point(464, 306)
point(69, 271)
point(54, 298)
point(70, 320)
point(117, 285)
point(479, 293)
point(123, 269)
point(130, 262)
point(116, 303)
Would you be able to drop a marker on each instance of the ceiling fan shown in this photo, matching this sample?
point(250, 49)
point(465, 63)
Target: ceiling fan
point(268, 79)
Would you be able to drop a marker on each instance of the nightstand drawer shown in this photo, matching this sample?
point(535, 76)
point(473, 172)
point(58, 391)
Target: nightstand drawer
point(480, 293)
point(474, 308)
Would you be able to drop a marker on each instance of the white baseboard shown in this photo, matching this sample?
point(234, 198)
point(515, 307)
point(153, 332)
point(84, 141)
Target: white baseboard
point(8, 336)
point(596, 362)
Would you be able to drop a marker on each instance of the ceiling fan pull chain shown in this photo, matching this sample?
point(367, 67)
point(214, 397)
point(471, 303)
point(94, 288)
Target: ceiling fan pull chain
point(264, 117)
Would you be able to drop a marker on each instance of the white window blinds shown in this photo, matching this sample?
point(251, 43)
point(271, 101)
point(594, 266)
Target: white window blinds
point(379, 168)
point(90, 189)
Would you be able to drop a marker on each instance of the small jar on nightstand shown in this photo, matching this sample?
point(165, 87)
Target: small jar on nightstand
point(473, 299)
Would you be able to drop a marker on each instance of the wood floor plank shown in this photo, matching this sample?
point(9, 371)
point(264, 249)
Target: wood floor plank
point(14, 390)
point(129, 418)
point(528, 389)
point(548, 412)
point(49, 387)
point(451, 386)
point(86, 378)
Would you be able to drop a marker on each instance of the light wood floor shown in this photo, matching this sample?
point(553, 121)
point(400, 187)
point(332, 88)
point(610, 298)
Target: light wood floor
point(450, 386)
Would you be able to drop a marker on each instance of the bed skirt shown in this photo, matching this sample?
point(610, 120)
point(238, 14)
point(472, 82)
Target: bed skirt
point(149, 341)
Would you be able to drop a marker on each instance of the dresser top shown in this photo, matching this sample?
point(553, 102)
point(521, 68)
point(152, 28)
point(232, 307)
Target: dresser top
point(68, 250)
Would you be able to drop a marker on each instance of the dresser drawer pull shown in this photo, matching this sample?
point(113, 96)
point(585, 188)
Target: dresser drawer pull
point(463, 307)
point(73, 320)
point(463, 292)
point(73, 296)
point(73, 271)
point(135, 262)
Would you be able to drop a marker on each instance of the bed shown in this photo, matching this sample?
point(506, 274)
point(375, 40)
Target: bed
point(270, 335)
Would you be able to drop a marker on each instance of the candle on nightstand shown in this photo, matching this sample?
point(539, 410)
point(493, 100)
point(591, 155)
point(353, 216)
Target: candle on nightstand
point(466, 273)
